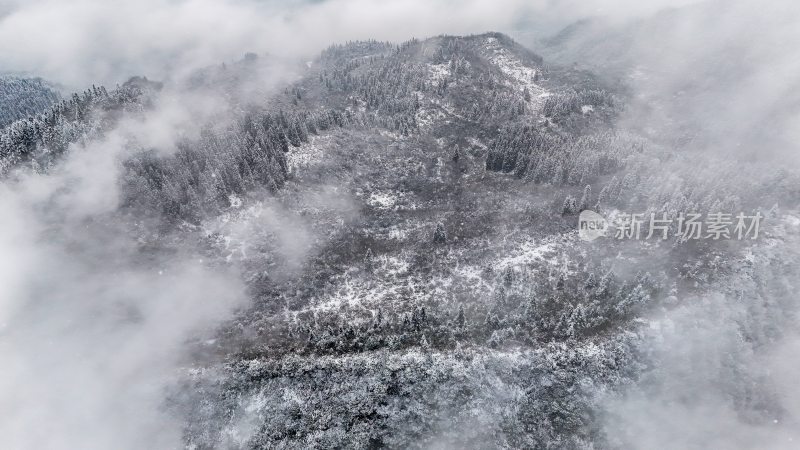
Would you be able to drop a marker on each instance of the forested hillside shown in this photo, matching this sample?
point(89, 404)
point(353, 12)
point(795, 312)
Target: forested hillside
point(404, 220)
point(23, 97)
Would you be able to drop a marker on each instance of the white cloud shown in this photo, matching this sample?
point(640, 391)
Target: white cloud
point(78, 42)
point(93, 325)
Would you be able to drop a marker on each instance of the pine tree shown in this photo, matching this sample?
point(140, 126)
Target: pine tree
point(561, 282)
point(586, 198)
point(508, 276)
point(604, 288)
point(423, 343)
point(460, 318)
point(602, 197)
point(456, 154)
point(368, 260)
point(591, 282)
point(440, 234)
point(570, 206)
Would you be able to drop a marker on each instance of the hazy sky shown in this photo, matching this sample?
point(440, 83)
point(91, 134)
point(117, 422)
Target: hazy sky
point(87, 334)
point(79, 42)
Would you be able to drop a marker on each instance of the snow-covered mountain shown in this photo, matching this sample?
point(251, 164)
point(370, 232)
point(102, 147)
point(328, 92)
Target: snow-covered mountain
point(23, 97)
point(403, 223)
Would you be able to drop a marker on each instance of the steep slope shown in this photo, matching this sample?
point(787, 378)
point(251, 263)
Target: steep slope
point(418, 261)
point(404, 219)
point(23, 97)
point(441, 302)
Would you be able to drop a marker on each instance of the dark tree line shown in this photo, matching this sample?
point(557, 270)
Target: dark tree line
point(40, 139)
point(24, 97)
point(542, 157)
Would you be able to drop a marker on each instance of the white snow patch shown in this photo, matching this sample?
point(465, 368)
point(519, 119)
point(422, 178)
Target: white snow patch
point(448, 108)
point(394, 266)
point(390, 200)
point(477, 143)
point(353, 293)
point(472, 277)
point(235, 201)
point(528, 252)
point(439, 71)
point(433, 109)
point(521, 76)
point(307, 154)
point(426, 116)
point(383, 200)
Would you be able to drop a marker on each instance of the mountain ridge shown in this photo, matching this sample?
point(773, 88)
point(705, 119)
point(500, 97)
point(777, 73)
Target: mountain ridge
point(403, 220)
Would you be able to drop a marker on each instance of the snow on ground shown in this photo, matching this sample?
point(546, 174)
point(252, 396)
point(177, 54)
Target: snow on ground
point(391, 283)
point(426, 117)
point(471, 277)
point(521, 75)
point(448, 108)
point(393, 135)
point(439, 72)
point(235, 201)
point(400, 231)
point(391, 200)
point(307, 154)
point(393, 266)
point(429, 113)
point(477, 143)
point(383, 200)
point(391, 279)
point(529, 252)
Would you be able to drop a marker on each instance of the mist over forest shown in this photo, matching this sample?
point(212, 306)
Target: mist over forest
point(419, 224)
